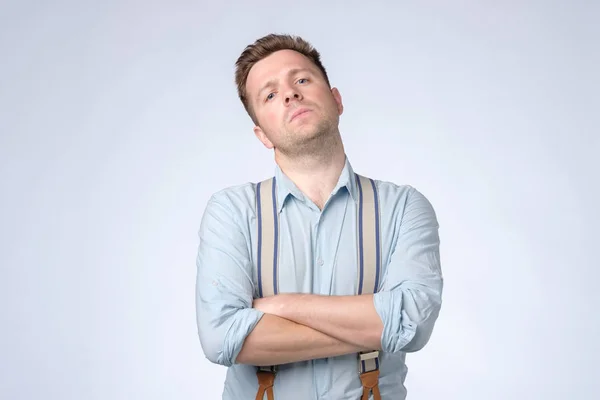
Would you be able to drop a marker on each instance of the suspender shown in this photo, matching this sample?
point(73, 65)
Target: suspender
point(369, 267)
point(267, 264)
point(268, 238)
point(368, 273)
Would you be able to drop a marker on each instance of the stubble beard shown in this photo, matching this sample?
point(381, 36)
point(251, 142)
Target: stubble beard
point(321, 143)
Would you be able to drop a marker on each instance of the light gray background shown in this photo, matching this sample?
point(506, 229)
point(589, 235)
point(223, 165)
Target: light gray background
point(118, 120)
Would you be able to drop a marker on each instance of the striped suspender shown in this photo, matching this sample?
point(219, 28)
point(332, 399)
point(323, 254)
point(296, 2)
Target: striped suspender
point(268, 238)
point(266, 265)
point(369, 269)
point(369, 243)
point(368, 274)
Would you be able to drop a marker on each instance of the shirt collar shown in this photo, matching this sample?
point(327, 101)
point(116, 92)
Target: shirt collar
point(286, 187)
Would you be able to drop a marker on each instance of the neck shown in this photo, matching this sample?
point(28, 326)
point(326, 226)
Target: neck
point(315, 174)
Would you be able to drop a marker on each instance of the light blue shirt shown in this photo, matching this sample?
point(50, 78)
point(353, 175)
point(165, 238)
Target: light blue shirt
point(318, 255)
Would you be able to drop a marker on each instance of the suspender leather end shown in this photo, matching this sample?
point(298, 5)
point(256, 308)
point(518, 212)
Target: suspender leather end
point(370, 382)
point(266, 380)
point(368, 370)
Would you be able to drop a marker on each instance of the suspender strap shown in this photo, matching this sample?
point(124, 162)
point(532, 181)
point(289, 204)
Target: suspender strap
point(369, 267)
point(369, 243)
point(268, 238)
point(267, 264)
point(368, 261)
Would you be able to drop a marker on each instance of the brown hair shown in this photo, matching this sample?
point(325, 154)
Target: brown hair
point(263, 48)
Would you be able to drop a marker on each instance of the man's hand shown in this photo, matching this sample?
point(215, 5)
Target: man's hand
point(262, 304)
point(273, 305)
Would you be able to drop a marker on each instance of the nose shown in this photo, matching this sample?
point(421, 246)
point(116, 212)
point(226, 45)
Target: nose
point(291, 95)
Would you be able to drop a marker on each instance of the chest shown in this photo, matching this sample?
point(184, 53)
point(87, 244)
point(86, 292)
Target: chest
point(341, 250)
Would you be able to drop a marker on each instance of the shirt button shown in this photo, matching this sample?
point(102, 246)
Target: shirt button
point(320, 262)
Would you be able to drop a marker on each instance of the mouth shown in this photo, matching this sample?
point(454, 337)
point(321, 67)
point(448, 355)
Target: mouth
point(299, 112)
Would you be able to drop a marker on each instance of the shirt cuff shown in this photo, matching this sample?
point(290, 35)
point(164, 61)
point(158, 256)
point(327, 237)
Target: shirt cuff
point(398, 329)
point(244, 321)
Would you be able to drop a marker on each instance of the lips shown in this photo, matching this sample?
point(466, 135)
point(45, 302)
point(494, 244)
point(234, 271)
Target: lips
point(298, 112)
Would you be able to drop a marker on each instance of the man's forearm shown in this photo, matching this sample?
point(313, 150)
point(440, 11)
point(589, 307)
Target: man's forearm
point(351, 319)
point(276, 340)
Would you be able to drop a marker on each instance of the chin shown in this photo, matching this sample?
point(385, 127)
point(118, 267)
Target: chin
point(307, 132)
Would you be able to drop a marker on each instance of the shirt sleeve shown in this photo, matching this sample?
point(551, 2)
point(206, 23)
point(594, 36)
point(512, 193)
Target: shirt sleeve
point(224, 284)
point(410, 299)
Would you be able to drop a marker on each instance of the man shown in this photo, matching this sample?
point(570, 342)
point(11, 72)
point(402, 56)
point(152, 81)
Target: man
point(316, 327)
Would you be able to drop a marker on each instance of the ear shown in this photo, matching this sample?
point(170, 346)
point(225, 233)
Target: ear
point(338, 99)
point(260, 134)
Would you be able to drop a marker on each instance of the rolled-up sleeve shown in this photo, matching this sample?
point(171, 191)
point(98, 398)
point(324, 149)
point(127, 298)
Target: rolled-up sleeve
point(411, 297)
point(224, 285)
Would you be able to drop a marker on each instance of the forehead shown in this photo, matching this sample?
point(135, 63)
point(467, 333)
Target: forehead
point(274, 66)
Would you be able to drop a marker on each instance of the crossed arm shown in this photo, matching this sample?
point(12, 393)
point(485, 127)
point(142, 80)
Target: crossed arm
point(235, 328)
point(298, 327)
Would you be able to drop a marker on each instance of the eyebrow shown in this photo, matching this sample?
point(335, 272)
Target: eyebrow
point(272, 82)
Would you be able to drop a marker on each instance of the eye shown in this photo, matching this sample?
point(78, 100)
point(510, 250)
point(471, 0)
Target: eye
point(302, 80)
point(270, 96)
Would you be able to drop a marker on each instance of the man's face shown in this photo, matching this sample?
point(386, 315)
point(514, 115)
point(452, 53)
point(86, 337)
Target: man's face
point(292, 102)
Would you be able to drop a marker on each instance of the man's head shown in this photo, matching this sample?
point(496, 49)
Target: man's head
point(285, 90)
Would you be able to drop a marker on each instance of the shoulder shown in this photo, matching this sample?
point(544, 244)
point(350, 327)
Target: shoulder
point(392, 192)
point(239, 201)
point(400, 199)
point(235, 196)
point(392, 189)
